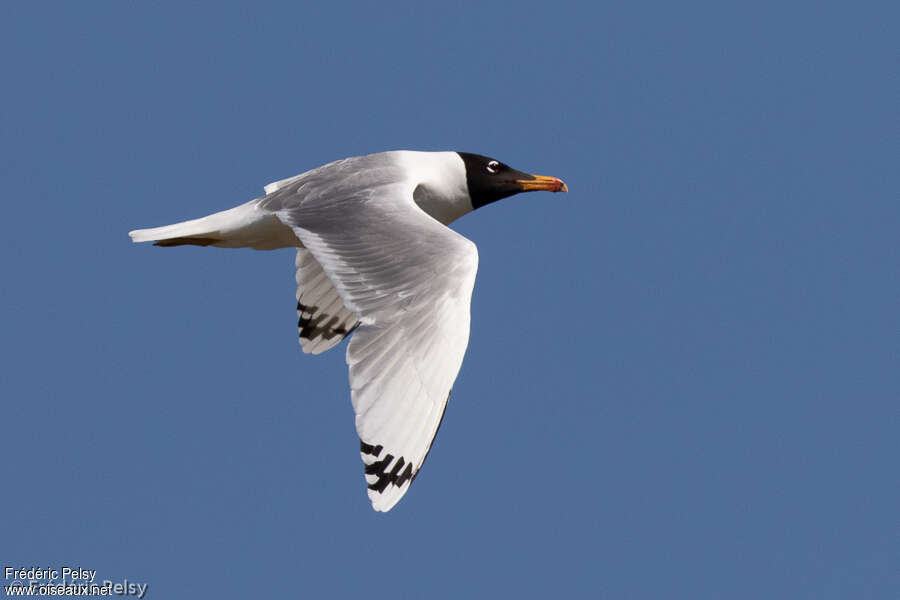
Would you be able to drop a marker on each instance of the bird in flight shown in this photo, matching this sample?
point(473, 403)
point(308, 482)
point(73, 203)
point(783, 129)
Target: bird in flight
point(375, 258)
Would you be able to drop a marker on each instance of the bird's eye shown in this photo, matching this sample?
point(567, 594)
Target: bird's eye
point(493, 166)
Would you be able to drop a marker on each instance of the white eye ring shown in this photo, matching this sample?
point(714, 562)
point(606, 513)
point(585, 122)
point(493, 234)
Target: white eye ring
point(493, 166)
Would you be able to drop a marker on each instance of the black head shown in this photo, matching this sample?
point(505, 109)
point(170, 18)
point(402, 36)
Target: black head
point(490, 180)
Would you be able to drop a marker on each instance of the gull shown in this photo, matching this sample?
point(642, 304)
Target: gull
point(375, 258)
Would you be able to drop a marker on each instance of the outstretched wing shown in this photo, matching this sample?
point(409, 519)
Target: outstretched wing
point(409, 279)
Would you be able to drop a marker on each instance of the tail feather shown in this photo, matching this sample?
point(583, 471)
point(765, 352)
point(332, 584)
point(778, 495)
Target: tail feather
point(185, 241)
point(244, 226)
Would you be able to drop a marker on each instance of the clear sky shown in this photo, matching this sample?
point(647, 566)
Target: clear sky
point(682, 379)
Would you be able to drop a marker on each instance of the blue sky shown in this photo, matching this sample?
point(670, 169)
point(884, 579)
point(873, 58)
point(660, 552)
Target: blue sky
point(682, 379)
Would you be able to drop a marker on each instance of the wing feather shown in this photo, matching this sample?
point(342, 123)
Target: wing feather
point(322, 318)
point(409, 280)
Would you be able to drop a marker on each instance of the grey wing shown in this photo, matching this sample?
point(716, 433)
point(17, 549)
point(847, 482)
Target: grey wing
point(410, 280)
point(322, 318)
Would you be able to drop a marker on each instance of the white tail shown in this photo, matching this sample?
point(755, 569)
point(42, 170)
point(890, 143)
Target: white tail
point(244, 226)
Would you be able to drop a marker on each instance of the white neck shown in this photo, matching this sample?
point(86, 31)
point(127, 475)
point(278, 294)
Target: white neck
point(442, 191)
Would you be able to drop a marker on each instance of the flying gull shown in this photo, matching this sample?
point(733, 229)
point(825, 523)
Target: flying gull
point(375, 257)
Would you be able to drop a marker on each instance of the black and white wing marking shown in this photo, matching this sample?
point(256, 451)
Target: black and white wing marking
point(322, 318)
point(409, 279)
